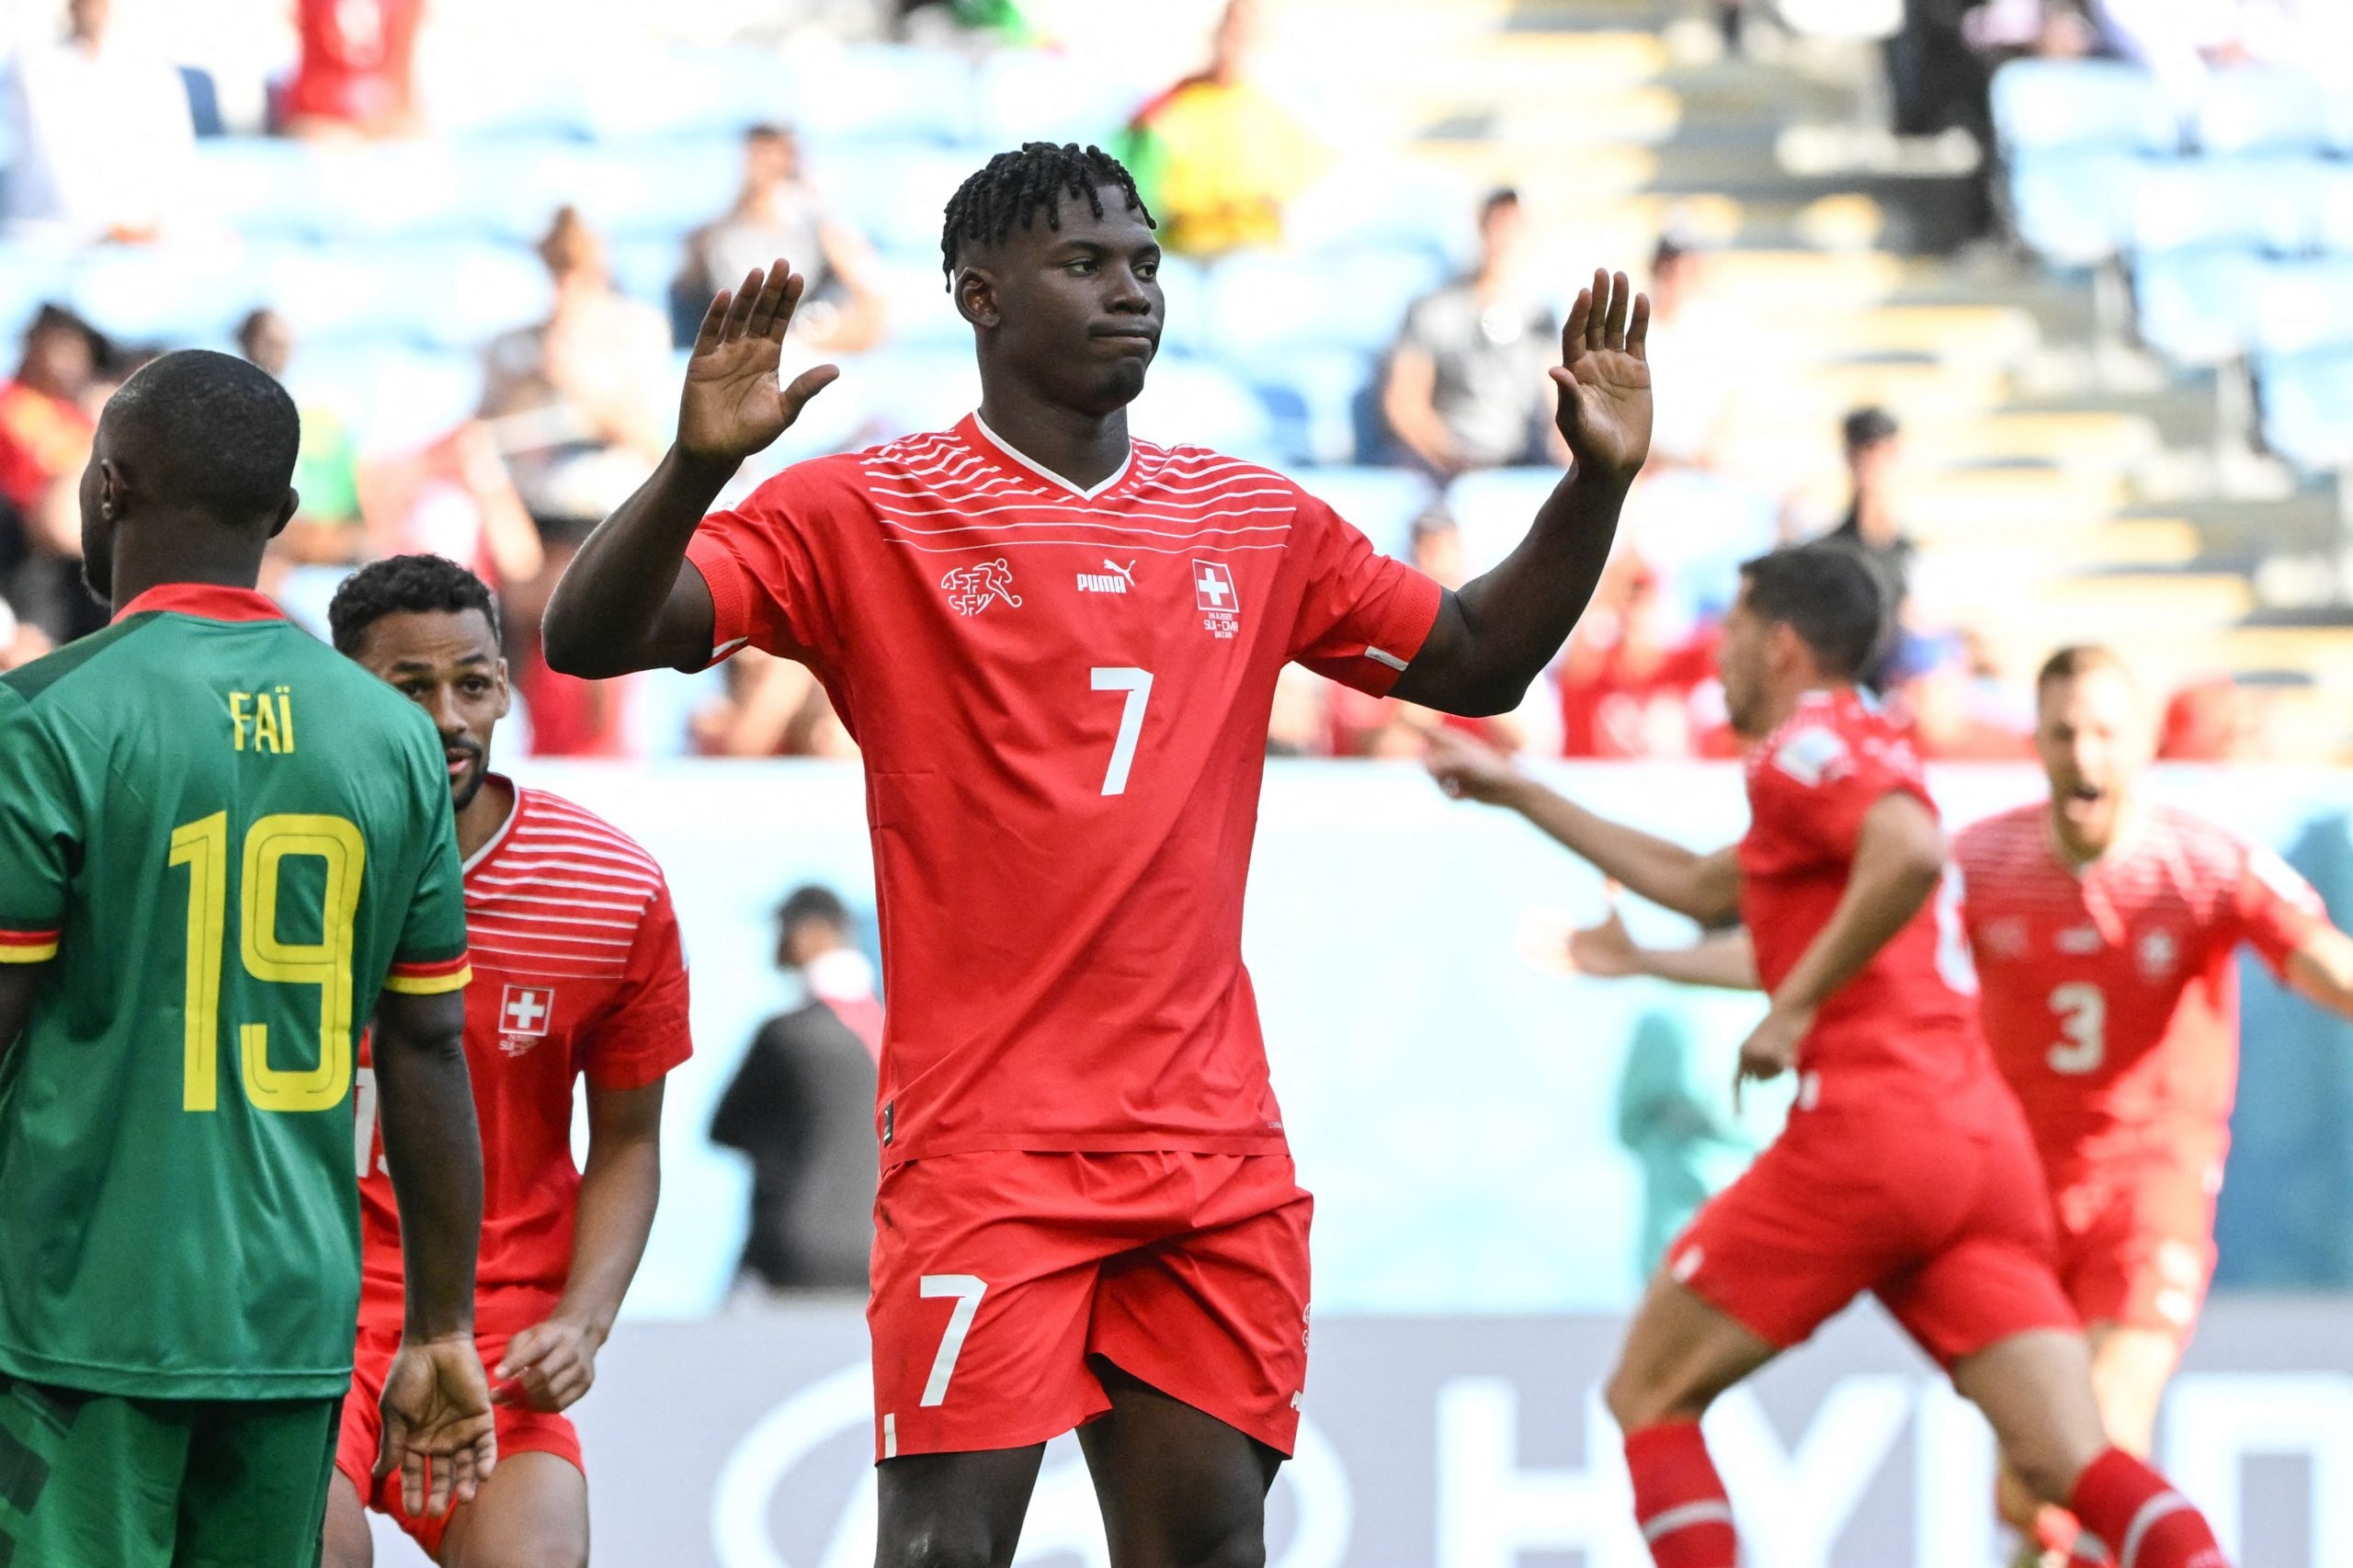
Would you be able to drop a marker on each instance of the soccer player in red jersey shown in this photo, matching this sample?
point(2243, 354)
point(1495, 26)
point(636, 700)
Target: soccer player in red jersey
point(1058, 648)
point(577, 971)
point(2106, 926)
point(1906, 1168)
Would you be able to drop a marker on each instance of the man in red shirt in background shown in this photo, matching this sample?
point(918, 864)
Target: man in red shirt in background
point(1906, 1168)
point(356, 74)
point(577, 971)
point(2107, 927)
point(1058, 648)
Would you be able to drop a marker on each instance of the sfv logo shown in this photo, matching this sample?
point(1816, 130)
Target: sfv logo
point(1113, 579)
point(971, 589)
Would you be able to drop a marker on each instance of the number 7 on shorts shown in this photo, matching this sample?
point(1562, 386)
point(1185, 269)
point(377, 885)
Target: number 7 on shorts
point(968, 1290)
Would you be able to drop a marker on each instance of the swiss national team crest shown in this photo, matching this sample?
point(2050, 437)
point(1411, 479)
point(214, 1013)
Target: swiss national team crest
point(524, 1014)
point(2160, 952)
point(1213, 591)
point(971, 589)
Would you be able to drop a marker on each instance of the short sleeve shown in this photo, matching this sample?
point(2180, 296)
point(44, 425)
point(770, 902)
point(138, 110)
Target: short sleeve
point(430, 956)
point(762, 563)
point(642, 1032)
point(1420, 332)
point(2275, 911)
point(1810, 793)
point(1363, 616)
point(40, 834)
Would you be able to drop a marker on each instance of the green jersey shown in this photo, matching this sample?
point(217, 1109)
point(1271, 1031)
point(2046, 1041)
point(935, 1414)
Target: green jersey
point(225, 839)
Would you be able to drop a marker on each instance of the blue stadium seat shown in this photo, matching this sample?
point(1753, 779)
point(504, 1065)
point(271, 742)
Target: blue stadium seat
point(2330, 199)
point(1271, 305)
point(2051, 104)
point(166, 293)
point(1031, 95)
point(1189, 324)
point(1382, 502)
point(2073, 207)
point(393, 399)
point(2303, 305)
point(1317, 395)
point(644, 268)
point(453, 294)
point(30, 277)
point(2307, 403)
point(2250, 202)
point(717, 92)
point(1390, 202)
point(262, 187)
point(508, 186)
point(1200, 402)
point(893, 392)
point(661, 186)
point(885, 91)
point(915, 291)
point(2262, 109)
point(2197, 306)
point(896, 192)
point(1494, 508)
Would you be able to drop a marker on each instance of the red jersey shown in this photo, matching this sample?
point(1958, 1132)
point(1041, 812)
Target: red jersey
point(576, 970)
point(1062, 696)
point(2111, 999)
point(1907, 1020)
point(356, 60)
point(1665, 703)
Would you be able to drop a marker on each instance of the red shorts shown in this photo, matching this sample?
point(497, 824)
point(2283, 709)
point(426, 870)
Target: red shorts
point(1000, 1279)
point(2136, 1237)
point(519, 1432)
point(1950, 1229)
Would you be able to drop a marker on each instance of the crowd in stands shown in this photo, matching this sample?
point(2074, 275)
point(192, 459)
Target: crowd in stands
point(1415, 377)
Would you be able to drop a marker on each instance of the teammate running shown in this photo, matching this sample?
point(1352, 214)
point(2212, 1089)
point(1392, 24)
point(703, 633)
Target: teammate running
point(1058, 648)
point(576, 970)
point(1906, 1168)
point(218, 844)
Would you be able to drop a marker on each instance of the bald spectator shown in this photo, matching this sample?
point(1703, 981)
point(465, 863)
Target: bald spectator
point(104, 139)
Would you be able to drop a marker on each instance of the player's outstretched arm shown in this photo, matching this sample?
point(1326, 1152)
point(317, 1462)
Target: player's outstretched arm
point(2320, 971)
point(1723, 960)
point(1705, 887)
point(553, 1363)
point(1899, 861)
point(436, 1402)
point(628, 600)
point(1499, 632)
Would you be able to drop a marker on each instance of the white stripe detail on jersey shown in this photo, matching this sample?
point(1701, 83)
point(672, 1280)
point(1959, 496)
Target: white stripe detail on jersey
point(1081, 543)
point(628, 894)
point(1658, 1526)
point(1042, 471)
point(1383, 656)
point(890, 1436)
point(2163, 1506)
point(1059, 514)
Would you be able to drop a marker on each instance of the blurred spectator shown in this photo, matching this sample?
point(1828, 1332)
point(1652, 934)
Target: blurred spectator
point(579, 404)
point(46, 422)
point(1300, 723)
point(102, 140)
point(1677, 1120)
point(452, 497)
point(1466, 386)
point(1633, 683)
point(801, 1105)
point(570, 717)
point(1874, 445)
point(19, 644)
point(2213, 719)
point(327, 529)
point(2181, 41)
point(1947, 686)
point(1699, 356)
point(355, 71)
point(1216, 156)
point(778, 213)
point(771, 707)
point(938, 22)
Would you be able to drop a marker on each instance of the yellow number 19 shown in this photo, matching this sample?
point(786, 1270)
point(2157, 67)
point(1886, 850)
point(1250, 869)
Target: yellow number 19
point(203, 847)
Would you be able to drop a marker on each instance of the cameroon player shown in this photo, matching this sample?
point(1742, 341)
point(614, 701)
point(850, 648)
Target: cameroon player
point(222, 845)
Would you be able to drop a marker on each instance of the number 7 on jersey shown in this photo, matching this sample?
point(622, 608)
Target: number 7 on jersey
point(1137, 684)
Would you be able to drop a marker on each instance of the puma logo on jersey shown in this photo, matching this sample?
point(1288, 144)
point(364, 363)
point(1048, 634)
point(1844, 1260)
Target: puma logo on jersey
point(1113, 579)
point(971, 589)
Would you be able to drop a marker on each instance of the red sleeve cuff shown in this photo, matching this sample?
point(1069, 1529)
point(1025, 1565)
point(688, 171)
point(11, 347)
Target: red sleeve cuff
point(730, 593)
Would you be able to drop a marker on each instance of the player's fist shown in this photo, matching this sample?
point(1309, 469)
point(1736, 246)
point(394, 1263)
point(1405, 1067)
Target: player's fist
point(439, 1431)
point(1771, 1048)
point(733, 404)
point(548, 1366)
point(1604, 379)
point(1469, 770)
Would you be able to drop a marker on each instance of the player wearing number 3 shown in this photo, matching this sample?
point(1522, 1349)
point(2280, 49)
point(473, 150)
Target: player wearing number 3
point(1058, 647)
point(222, 846)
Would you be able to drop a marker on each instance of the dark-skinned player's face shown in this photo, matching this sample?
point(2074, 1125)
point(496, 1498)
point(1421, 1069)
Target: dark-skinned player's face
point(1074, 312)
point(447, 663)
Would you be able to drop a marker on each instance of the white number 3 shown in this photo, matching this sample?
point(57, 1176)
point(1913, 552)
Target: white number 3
point(2083, 1018)
point(1137, 684)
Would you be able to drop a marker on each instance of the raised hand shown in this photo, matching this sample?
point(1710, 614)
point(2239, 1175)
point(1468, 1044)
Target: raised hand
point(1604, 379)
point(439, 1431)
point(733, 404)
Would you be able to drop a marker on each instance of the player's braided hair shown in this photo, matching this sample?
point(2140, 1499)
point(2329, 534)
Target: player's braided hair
point(405, 584)
point(1014, 187)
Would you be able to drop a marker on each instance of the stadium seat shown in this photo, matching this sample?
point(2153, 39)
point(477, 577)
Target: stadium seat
point(894, 191)
point(885, 92)
point(1187, 326)
point(2197, 306)
point(1027, 95)
point(2303, 305)
point(447, 294)
point(2073, 207)
point(1318, 397)
point(2053, 105)
point(2330, 199)
point(1494, 508)
point(1391, 203)
point(663, 186)
point(893, 392)
point(914, 292)
point(1199, 403)
point(2307, 403)
point(393, 399)
point(164, 294)
point(30, 277)
point(262, 187)
point(1271, 305)
point(2262, 109)
point(1382, 502)
point(2254, 202)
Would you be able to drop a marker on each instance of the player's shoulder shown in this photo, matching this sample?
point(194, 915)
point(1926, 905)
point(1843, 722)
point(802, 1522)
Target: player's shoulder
point(2219, 856)
point(2009, 835)
point(553, 826)
point(1186, 471)
point(53, 677)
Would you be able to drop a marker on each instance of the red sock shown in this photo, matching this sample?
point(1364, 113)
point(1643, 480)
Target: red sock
point(1678, 1500)
point(2141, 1518)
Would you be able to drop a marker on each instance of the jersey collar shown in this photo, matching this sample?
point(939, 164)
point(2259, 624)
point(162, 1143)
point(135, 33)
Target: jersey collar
point(209, 601)
point(989, 444)
point(496, 841)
